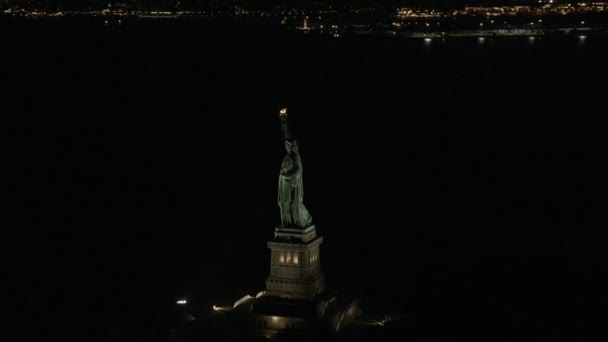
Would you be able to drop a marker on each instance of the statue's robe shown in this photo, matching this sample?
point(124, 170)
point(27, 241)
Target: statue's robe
point(291, 192)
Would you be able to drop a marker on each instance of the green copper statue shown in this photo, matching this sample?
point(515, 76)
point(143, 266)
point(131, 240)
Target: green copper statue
point(291, 193)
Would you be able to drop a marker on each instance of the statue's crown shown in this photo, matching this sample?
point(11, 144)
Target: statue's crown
point(283, 112)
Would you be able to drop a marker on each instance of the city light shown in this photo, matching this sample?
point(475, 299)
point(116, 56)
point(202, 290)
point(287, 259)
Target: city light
point(403, 17)
point(182, 302)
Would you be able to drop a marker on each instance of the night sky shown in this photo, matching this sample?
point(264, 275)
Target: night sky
point(460, 182)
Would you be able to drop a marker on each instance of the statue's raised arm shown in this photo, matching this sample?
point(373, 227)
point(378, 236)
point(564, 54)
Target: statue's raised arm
point(284, 125)
point(291, 192)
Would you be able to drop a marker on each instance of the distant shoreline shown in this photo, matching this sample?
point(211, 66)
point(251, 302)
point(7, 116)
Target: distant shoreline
point(235, 22)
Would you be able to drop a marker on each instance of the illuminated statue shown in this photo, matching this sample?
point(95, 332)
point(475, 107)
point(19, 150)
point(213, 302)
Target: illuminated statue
point(291, 193)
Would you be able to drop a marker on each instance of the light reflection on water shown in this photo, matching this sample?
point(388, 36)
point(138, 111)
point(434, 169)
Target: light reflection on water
point(581, 40)
point(528, 41)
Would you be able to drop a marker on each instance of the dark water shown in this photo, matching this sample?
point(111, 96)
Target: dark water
point(457, 179)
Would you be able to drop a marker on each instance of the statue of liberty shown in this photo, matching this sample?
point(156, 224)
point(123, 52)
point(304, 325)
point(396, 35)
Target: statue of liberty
point(291, 193)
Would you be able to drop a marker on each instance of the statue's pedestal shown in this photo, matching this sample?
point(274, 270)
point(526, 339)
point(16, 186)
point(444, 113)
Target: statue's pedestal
point(295, 270)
